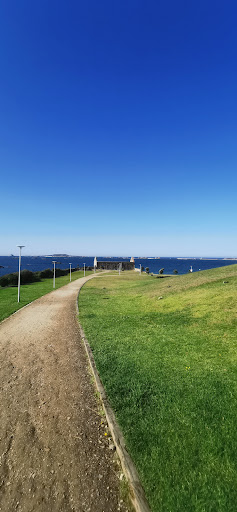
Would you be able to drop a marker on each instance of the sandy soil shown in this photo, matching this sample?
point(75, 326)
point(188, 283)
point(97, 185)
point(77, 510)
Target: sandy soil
point(54, 454)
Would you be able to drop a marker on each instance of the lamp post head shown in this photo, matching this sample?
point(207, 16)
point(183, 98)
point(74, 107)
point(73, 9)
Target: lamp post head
point(20, 246)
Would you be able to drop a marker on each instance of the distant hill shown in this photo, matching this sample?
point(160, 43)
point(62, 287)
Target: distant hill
point(58, 256)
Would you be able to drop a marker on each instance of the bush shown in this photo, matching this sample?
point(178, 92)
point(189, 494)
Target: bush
point(12, 279)
point(60, 272)
point(161, 271)
point(3, 281)
point(31, 277)
point(46, 274)
point(28, 277)
point(175, 271)
point(147, 270)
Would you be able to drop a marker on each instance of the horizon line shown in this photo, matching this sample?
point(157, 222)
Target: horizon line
point(64, 255)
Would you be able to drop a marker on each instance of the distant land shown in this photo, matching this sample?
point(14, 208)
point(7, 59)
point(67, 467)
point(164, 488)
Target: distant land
point(61, 255)
point(56, 256)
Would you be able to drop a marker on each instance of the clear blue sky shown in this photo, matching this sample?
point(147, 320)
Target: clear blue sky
point(118, 127)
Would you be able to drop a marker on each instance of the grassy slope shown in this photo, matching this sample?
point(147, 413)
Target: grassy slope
point(30, 292)
point(169, 368)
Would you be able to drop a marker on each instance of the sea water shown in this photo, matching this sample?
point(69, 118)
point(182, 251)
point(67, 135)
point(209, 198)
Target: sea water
point(182, 265)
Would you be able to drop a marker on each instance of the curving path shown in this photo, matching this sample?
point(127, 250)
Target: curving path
point(54, 455)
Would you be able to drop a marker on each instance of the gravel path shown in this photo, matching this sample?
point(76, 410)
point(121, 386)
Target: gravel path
point(54, 454)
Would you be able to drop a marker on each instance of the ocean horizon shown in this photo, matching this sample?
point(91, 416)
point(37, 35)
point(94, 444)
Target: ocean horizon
point(9, 264)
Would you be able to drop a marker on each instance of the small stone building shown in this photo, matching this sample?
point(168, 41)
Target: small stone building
point(114, 265)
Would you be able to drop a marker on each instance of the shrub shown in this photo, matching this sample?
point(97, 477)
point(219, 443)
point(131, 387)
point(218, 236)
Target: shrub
point(9, 279)
point(28, 277)
point(161, 271)
point(46, 274)
point(12, 279)
point(147, 270)
point(31, 277)
point(4, 281)
point(62, 272)
point(175, 271)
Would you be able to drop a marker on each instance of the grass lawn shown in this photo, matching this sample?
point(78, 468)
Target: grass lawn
point(169, 368)
point(30, 292)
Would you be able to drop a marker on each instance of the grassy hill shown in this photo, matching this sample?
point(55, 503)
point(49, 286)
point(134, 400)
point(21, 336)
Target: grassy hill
point(169, 368)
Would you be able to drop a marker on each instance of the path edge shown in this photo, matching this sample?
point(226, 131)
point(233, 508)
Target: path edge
point(136, 490)
point(35, 300)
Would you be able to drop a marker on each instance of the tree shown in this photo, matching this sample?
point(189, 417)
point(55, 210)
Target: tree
point(147, 270)
point(161, 271)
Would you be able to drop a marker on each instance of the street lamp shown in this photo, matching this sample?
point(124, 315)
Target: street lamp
point(19, 275)
point(84, 269)
point(140, 268)
point(70, 271)
point(54, 263)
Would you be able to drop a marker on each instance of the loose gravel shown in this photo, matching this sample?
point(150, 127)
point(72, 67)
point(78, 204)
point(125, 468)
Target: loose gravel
point(55, 447)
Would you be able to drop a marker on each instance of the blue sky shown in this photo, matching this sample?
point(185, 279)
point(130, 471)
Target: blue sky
point(118, 127)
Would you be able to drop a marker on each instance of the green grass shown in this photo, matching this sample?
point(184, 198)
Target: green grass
point(30, 292)
point(169, 367)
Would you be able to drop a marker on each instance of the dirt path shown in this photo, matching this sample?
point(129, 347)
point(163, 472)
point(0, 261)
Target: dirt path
point(54, 454)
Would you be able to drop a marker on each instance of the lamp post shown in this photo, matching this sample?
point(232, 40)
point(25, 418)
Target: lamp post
point(54, 263)
point(140, 268)
point(95, 264)
point(19, 275)
point(70, 271)
point(84, 269)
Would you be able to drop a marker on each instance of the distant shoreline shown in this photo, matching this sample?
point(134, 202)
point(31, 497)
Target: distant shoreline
point(119, 257)
point(209, 259)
